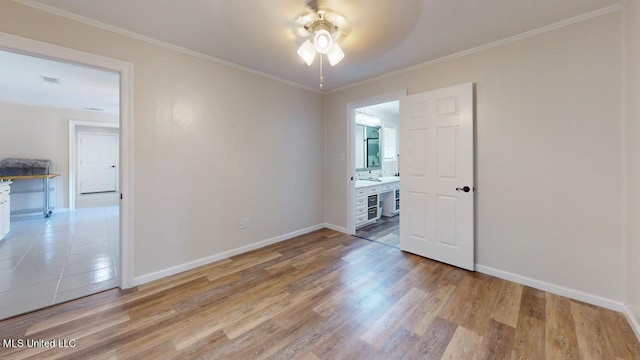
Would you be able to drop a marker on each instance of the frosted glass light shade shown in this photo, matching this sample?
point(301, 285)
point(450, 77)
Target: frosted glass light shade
point(307, 52)
point(323, 41)
point(335, 54)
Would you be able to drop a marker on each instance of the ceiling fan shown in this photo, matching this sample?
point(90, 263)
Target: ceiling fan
point(321, 27)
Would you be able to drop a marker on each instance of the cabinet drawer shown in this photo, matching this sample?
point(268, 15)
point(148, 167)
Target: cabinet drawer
point(361, 192)
point(361, 210)
point(361, 219)
point(361, 202)
point(372, 213)
point(387, 187)
point(373, 190)
point(372, 200)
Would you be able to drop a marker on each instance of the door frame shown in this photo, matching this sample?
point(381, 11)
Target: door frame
point(351, 124)
point(31, 47)
point(73, 155)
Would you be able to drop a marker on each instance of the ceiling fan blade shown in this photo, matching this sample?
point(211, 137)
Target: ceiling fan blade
point(313, 4)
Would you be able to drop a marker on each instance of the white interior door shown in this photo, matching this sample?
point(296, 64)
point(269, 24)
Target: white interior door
point(98, 161)
point(436, 143)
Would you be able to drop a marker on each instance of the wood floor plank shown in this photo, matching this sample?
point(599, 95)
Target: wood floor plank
point(215, 346)
point(196, 329)
point(532, 303)
point(529, 342)
point(507, 307)
point(463, 345)
point(561, 341)
point(620, 334)
point(418, 277)
point(301, 329)
point(403, 344)
point(393, 318)
point(241, 264)
point(310, 356)
point(437, 338)
point(471, 304)
point(325, 295)
point(592, 340)
point(421, 318)
point(497, 342)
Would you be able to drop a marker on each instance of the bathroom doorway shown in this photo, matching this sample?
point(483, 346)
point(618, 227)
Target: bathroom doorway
point(375, 189)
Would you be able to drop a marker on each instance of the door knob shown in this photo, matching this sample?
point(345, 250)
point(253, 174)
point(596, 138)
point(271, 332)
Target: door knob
point(465, 189)
point(113, 166)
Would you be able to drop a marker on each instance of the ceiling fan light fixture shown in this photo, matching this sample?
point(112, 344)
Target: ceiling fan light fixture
point(321, 30)
point(323, 41)
point(335, 54)
point(307, 52)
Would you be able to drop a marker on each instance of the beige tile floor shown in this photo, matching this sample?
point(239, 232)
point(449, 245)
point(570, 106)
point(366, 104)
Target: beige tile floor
point(49, 261)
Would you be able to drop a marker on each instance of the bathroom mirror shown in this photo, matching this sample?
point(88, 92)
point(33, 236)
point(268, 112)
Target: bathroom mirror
point(367, 142)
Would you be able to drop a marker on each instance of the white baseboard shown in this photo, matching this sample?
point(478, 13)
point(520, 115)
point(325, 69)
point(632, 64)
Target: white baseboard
point(336, 228)
point(552, 288)
point(632, 317)
point(217, 257)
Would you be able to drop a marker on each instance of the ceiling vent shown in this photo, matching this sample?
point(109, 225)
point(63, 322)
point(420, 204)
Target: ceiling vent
point(50, 80)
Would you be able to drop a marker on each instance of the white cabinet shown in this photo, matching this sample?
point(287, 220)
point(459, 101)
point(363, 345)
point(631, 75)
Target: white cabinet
point(366, 206)
point(391, 200)
point(368, 199)
point(5, 209)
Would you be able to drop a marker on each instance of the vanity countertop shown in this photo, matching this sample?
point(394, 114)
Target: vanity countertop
point(383, 180)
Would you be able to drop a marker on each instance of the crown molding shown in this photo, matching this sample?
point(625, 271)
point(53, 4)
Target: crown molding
point(510, 39)
point(131, 34)
point(576, 19)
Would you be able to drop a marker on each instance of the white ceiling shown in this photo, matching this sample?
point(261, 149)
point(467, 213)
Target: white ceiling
point(385, 35)
point(79, 87)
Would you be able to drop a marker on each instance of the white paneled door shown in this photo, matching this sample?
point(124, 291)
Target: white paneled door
point(436, 163)
point(98, 161)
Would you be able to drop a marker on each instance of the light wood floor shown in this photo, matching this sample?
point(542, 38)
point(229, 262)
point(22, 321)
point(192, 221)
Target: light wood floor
point(326, 296)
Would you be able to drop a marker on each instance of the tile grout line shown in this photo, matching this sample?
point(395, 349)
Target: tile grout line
point(30, 246)
point(64, 266)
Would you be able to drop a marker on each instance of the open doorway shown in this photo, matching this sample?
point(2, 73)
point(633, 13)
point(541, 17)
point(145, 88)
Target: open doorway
point(375, 191)
point(70, 252)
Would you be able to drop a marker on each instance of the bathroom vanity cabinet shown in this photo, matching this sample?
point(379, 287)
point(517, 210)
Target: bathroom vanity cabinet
point(376, 198)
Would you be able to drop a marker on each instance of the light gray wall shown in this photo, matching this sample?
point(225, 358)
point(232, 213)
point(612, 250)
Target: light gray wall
point(34, 132)
point(212, 145)
point(548, 146)
point(632, 132)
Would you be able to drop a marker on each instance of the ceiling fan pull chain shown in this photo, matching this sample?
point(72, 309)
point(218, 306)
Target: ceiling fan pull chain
point(321, 77)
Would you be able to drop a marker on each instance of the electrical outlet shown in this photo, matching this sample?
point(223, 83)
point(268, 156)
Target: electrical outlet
point(244, 224)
